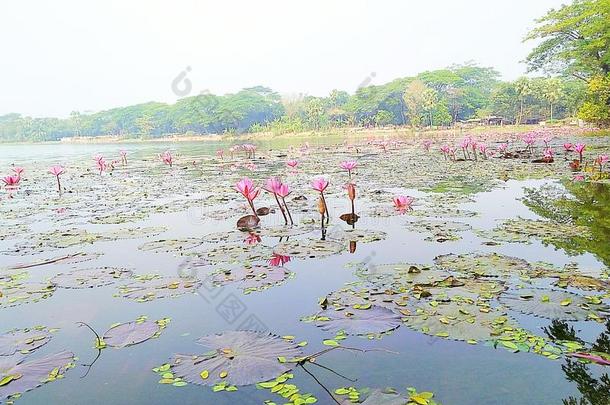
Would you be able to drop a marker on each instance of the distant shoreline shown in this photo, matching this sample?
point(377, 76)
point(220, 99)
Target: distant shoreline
point(355, 132)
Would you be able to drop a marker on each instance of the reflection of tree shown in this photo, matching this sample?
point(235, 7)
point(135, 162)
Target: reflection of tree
point(595, 391)
point(587, 204)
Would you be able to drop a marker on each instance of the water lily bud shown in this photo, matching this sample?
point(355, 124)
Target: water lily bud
point(321, 206)
point(351, 191)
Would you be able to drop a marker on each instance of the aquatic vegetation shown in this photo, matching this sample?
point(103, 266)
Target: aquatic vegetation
point(152, 287)
point(441, 231)
point(403, 203)
point(364, 320)
point(403, 277)
point(24, 341)
point(132, 333)
point(21, 374)
point(57, 171)
point(320, 184)
point(489, 265)
point(553, 304)
point(90, 278)
point(237, 358)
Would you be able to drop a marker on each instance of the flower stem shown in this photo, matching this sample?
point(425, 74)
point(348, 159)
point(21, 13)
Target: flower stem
point(281, 209)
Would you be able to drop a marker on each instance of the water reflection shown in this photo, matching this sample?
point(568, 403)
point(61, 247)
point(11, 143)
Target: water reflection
point(583, 204)
point(594, 388)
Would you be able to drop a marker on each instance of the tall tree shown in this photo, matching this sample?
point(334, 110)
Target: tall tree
point(575, 40)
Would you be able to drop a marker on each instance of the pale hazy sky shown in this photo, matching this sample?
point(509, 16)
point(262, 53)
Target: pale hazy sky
point(64, 55)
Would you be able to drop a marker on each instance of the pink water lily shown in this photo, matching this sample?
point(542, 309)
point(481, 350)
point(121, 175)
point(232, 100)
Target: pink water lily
point(319, 184)
point(274, 186)
point(503, 147)
point(18, 170)
point(426, 144)
point(11, 181)
point(292, 163)
point(246, 187)
point(123, 154)
point(248, 190)
point(283, 190)
point(601, 161)
point(100, 163)
point(250, 149)
point(548, 155)
point(167, 158)
point(464, 145)
point(568, 147)
point(220, 153)
point(483, 149)
point(349, 165)
point(403, 203)
point(57, 171)
point(580, 149)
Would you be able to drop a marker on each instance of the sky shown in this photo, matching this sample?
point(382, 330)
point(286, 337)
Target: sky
point(65, 55)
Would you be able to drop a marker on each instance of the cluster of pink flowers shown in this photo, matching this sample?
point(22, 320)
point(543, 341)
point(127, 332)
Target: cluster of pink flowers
point(100, 163)
point(12, 181)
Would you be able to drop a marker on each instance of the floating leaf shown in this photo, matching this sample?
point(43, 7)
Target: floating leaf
point(246, 357)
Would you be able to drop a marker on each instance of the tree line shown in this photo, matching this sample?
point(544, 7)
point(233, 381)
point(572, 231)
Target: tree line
point(572, 53)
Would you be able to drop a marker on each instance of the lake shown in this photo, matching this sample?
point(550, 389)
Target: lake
point(469, 295)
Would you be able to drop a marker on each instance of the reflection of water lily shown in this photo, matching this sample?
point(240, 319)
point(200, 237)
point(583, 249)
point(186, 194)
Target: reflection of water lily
point(252, 239)
point(278, 260)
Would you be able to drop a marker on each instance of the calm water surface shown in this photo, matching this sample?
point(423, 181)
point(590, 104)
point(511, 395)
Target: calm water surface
point(456, 372)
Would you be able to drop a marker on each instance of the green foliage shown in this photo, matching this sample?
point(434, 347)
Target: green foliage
point(596, 108)
point(575, 40)
point(432, 98)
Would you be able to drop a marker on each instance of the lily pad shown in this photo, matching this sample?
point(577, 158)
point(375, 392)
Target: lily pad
point(553, 304)
point(91, 278)
point(308, 248)
point(490, 265)
point(23, 340)
point(237, 357)
point(19, 376)
point(149, 288)
point(131, 333)
point(372, 320)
